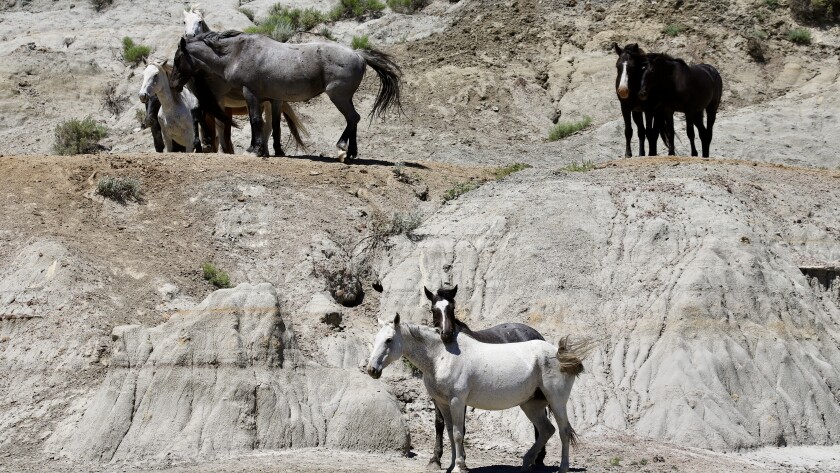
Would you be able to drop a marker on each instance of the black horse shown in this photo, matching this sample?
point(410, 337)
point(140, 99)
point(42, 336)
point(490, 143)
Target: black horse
point(630, 66)
point(443, 318)
point(677, 87)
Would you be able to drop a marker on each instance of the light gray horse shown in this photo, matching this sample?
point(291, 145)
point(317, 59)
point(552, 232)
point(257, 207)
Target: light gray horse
point(267, 70)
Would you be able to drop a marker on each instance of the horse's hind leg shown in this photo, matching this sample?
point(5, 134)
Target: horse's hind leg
point(640, 129)
point(434, 462)
point(558, 396)
point(535, 410)
point(689, 130)
point(255, 115)
point(457, 413)
point(344, 104)
point(275, 127)
point(652, 131)
point(711, 114)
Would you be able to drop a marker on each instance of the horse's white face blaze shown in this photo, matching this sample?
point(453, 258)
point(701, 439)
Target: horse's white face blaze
point(445, 323)
point(151, 84)
point(623, 85)
point(387, 348)
point(192, 23)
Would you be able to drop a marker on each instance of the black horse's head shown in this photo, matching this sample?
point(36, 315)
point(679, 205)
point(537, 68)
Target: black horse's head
point(654, 68)
point(182, 67)
point(630, 66)
point(443, 311)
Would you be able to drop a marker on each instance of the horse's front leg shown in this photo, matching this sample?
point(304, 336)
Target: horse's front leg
point(652, 126)
point(628, 129)
point(458, 410)
point(640, 129)
point(275, 127)
point(255, 115)
point(434, 462)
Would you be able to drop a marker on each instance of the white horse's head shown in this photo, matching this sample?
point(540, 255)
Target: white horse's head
point(194, 22)
point(387, 347)
point(154, 81)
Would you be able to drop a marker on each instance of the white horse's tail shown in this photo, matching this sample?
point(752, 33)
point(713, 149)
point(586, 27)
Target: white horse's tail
point(296, 128)
point(571, 356)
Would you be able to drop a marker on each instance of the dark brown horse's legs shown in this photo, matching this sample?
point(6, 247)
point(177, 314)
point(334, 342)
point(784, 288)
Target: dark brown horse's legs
point(628, 130)
point(640, 129)
point(255, 115)
point(434, 462)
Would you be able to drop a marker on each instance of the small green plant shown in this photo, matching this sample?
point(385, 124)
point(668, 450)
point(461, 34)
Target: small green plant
point(759, 34)
point(215, 276)
point(283, 22)
point(113, 102)
point(772, 4)
point(355, 9)
point(643, 461)
point(247, 12)
point(78, 136)
point(460, 189)
point(615, 461)
point(564, 129)
point(583, 166)
point(119, 189)
point(100, 5)
point(799, 36)
point(503, 172)
point(673, 30)
point(405, 224)
point(407, 6)
point(361, 42)
point(326, 33)
point(134, 53)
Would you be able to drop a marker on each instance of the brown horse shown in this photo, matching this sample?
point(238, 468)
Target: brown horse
point(678, 87)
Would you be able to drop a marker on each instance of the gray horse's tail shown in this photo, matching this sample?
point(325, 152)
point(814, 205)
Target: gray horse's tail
point(296, 128)
point(389, 81)
point(571, 355)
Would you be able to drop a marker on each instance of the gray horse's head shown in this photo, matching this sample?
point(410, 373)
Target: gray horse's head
point(387, 347)
point(443, 311)
point(182, 67)
point(194, 22)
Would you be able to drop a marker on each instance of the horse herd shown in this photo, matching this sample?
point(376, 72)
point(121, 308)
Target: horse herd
point(190, 104)
point(498, 368)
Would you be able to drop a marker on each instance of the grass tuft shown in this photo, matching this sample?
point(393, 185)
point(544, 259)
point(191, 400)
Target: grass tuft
point(408, 6)
point(134, 53)
point(503, 172)
point(361, 42)
point(564, 129)
point(673, 30)
point(78, 136)
point(355, 9)
point(799, 36)
point(215, 276)
point(119, 189)
point(583, 166)
point(460, 189)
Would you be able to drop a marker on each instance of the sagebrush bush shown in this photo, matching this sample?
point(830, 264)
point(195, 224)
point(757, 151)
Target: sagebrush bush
point(405, 224)
point(673, 30)
point(134, 53)
point(113, 102)
point(408, 6)
point(247, 12)
point(355, 9)
point(799, 36)
point(215, 276)
point(361, 42)
point(78, 136)
point(564, 129)
point(282, 22)
point(119, 189)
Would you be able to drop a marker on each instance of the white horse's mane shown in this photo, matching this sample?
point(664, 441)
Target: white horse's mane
point(196, 8)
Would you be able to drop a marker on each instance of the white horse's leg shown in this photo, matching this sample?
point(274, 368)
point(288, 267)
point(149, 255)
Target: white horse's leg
point(557, 400)
point(457, 411)
point(535, 410)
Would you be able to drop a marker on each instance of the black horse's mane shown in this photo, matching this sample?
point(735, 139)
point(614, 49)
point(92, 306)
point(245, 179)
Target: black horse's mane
point(667, 57)
point(214, 40)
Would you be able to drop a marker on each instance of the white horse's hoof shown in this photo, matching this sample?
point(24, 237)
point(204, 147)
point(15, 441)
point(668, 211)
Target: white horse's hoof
point(342, 156)
point(433, 465)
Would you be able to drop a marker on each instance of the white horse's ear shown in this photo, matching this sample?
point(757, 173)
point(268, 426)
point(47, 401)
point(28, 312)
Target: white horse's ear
point(380, 322)
point(397, 319)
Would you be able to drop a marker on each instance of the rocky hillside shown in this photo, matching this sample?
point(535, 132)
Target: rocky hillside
point(711, 285)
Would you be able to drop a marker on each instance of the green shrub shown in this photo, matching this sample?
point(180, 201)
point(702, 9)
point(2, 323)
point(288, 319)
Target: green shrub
point(361, 42)
point(283, 22)
point(134, 53)
point(673, 30)
point(799, 36)
point(615, 461)
point(564, 129)
point(460, 189)
point(119, 189)
point(247, 12)
point(407, 6)
point(759, 34)
point(356, 9)
point(215, 276)
point(405, 224)
point(78, 136)
point(326, 33)
point(772, 4)
point(583, 166)
point(503, 172)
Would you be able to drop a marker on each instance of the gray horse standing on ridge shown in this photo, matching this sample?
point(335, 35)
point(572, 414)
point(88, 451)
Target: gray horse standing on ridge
point(265, 69)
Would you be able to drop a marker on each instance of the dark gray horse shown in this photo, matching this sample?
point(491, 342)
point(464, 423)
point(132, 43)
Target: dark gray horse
point(267, 70)
point(679, 87)
point(443, 318)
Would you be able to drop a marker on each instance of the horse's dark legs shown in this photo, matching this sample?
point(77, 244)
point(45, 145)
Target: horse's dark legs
point(344, 104)
point(652, 127)
point(711, 114)
point(255, 115)
point(227, 141)
point(669, 124)
point(434, 462)
point(275, 127)
point(689, 130)
point(178, 148)
point(640, 129)
point(198, 121)
point(628, 129)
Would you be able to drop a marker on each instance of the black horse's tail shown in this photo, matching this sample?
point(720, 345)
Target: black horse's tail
point(208, 102)
point(389, 81)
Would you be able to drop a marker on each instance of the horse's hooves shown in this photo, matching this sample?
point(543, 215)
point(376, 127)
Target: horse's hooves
point(342, 145)
point(433, 465)
point(342, 156)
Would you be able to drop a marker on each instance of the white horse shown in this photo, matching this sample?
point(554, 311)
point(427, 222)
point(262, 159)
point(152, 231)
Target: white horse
point(194, 23)
point(466, 372)
point(176, 110)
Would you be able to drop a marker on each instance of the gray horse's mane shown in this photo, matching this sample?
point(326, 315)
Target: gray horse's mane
point(416, 331)
point(215, 40)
